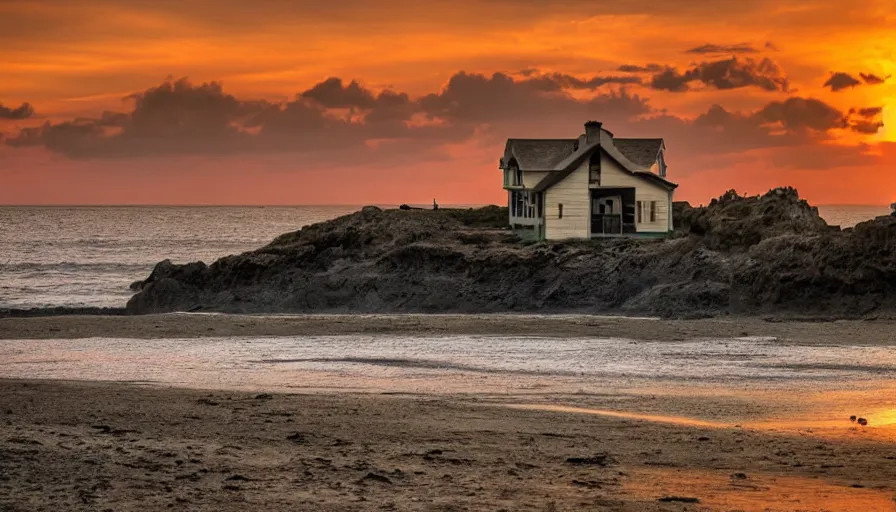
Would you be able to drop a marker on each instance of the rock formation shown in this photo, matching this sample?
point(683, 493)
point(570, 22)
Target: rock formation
point(768, 255)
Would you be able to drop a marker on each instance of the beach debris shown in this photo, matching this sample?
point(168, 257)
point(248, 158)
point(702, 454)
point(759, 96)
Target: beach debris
point(23, 440)
point(589, 484)
point(375, 478)
point(678, 499)
point(237, 478)
point(739, 476)
point(264, 396)
point(601, 459)
point(103, 429)
point(852, 418)
point(297, 437)
point(862, 421)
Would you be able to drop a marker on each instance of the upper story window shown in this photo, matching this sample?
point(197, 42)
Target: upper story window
point(594, 168)
point(662, 164)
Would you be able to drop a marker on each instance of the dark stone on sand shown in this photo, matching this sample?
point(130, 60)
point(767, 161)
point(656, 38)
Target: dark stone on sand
point(373, 477)
point(297, 437)
point(264, 396)
point(739, 476)
point(770, 256)
point(678, 499)
point(602, 459)
point(237, 478)
point(136, 285)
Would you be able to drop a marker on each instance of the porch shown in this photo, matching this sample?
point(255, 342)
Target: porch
point(612, 212)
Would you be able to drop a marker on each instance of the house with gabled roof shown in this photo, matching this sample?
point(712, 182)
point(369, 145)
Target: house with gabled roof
point(592, 186)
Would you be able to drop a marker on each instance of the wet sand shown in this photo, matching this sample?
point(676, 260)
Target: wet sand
point(115, 446)
point(203, 325)
point(67, 445)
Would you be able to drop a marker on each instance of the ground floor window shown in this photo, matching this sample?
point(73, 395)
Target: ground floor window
point(522, 204)
point(646, 210)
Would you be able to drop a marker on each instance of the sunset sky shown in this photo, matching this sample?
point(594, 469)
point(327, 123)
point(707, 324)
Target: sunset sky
point(357, 102)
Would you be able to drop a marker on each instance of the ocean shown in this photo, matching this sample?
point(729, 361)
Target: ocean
point(88, 256)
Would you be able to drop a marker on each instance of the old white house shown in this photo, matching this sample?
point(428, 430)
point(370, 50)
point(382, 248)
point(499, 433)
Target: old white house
point(592, 186)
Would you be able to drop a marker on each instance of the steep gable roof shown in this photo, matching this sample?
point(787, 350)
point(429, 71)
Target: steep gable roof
point(606, 146)
point(643, 152)
point(538, 154)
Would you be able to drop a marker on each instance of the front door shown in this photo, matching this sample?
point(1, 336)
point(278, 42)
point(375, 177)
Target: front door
point(606, 214)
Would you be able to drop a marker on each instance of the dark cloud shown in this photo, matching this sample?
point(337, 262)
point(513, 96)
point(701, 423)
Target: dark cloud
point(332, 93)
point(571, 82)
point(709, 48)
point(731, 73)
point(795, 114)
point(871, 79)
point(868, 122)
point(840, 80)
point(178, 117)
point(24, 111)
point(866, 127)
point(474, 97)
point(867, 112)
point(649, 68)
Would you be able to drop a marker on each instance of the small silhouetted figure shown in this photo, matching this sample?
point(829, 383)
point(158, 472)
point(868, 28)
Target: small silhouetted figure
point(435, 205)
point(862, 421)
point(852, 418)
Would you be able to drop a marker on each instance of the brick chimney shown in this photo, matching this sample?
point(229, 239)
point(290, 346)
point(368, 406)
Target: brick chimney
point(592, 131)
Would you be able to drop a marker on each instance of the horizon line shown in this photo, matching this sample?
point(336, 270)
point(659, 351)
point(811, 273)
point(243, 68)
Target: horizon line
point(262, 205)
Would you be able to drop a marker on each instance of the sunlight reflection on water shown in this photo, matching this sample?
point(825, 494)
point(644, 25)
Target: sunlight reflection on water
point(833, 380)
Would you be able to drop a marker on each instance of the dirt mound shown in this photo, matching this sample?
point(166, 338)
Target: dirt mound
point(743, 255)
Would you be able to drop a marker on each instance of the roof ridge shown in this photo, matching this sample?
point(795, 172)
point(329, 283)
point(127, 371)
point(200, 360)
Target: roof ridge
point(546, 140)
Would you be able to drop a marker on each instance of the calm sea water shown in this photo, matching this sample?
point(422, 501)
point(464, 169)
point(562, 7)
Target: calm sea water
point(88, 256)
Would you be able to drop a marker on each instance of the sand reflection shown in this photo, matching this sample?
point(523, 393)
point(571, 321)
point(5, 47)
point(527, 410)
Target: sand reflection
point(753, 492)
point(882, 423)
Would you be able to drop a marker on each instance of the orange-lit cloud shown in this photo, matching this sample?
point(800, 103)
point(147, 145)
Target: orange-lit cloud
point(307, 101)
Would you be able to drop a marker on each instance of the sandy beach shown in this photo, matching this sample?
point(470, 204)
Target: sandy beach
point(79, 445)
point(103, 446)
point(193, 325)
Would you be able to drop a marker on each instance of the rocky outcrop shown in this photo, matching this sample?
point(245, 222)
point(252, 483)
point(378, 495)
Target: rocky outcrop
point(770, 255)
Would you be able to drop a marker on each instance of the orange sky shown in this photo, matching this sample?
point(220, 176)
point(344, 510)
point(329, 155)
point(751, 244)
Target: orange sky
point(113, 123)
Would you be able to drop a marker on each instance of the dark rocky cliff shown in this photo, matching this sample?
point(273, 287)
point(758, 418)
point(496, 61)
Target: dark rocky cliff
point(740, 255)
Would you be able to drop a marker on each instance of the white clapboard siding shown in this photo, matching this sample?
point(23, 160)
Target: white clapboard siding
point(532, 178)
point(574, 195)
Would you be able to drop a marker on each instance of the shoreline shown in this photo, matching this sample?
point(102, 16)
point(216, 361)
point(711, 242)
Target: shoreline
point(192, 325)
point(134, 447)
